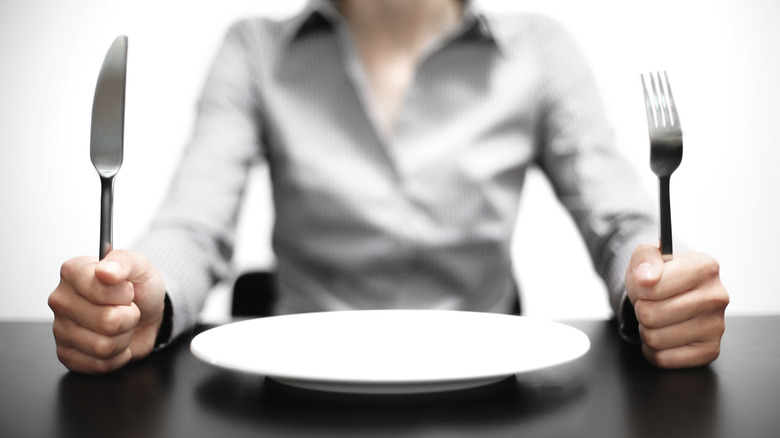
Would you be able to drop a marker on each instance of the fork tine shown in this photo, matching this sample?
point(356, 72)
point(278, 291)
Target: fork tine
point(648, 104)
point(672, 106)
point(663, 90)
point(662, 107)
point(659, 119)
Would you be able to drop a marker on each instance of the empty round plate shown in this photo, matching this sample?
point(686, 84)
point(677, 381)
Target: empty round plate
point(390, 351)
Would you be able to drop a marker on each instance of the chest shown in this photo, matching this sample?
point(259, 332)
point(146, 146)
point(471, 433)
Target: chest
point(465, 108)
point(388, 77)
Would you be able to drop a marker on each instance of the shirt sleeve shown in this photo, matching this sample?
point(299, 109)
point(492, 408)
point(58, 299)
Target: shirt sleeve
point(190, 240)
point(597, 186)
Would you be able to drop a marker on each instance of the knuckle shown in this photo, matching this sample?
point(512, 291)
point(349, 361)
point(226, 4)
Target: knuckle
point(127, 291)
point(63, 357)
point(639, 310)
point(712, 266)
point(714, 353)
point(101, 294)
point(717, 300)
point(707, 265)
point(663, 361)
point(133, 314)
point(63, 354)
point(71, 269)
point(649, 337)
point(104, 348)
point(66, 270)
point(58, 330)
point(112, 322)
point(67, 356)
point(653, 356)
point(707, 354)
point(116, 294)
point(102, 367)
point(55, 301)
point(645, 314)
point(720, 327)
point(722, 298)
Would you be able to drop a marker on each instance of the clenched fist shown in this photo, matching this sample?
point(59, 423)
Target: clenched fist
point(106, 313)
point(680, 306)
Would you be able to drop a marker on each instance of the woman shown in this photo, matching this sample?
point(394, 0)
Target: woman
point(397, 133)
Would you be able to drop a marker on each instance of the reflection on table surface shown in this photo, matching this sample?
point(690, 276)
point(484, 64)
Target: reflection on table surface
point(610, 392)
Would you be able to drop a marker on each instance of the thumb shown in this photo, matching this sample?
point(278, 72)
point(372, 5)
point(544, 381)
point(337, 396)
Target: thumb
point(121, 265)
point(644, 270)
point(133, 266)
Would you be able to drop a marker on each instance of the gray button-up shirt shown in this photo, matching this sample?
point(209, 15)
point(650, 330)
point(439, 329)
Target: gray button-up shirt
point(422, 218)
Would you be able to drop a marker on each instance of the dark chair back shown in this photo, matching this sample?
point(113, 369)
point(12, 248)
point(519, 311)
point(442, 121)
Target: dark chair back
point(254, 294)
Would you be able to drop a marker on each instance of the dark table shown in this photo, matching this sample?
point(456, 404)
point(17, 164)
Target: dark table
point(610, 392)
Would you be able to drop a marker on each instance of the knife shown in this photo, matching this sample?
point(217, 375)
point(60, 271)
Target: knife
point(107, 139)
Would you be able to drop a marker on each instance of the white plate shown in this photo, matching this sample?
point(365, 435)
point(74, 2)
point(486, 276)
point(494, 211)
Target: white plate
point(390, 351)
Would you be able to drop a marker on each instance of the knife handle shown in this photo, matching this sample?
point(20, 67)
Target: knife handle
point(106, 215)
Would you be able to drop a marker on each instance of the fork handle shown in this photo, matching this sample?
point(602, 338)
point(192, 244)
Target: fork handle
point(666, 218)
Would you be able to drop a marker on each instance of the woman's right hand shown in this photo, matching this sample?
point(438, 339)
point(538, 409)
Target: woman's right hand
point(106, 313)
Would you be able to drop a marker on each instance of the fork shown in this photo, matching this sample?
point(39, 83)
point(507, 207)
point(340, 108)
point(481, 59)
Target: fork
point(666, 147)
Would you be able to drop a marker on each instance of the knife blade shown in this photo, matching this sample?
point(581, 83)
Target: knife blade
point(107, 137)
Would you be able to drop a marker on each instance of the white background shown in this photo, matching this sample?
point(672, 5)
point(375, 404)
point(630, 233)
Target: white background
point(723, 58)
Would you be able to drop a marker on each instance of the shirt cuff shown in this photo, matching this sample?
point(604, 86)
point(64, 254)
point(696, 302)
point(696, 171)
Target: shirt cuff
point(628, 325)
point(166, 328)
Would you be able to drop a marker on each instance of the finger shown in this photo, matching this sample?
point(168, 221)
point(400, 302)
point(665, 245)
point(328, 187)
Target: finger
point(78, 276)
point(709, 299)
point(687, 271)
point(701, 329)
point(686, 356)
point(71, 335)
point(106, 320)
point(80, 362)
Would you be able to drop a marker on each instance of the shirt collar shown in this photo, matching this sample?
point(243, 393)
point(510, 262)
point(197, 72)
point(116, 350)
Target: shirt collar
point(313, 15)
point(474, 23)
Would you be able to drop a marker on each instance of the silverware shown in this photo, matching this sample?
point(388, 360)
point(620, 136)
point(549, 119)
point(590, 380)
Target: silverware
point(107, 139)
point(666, 147)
